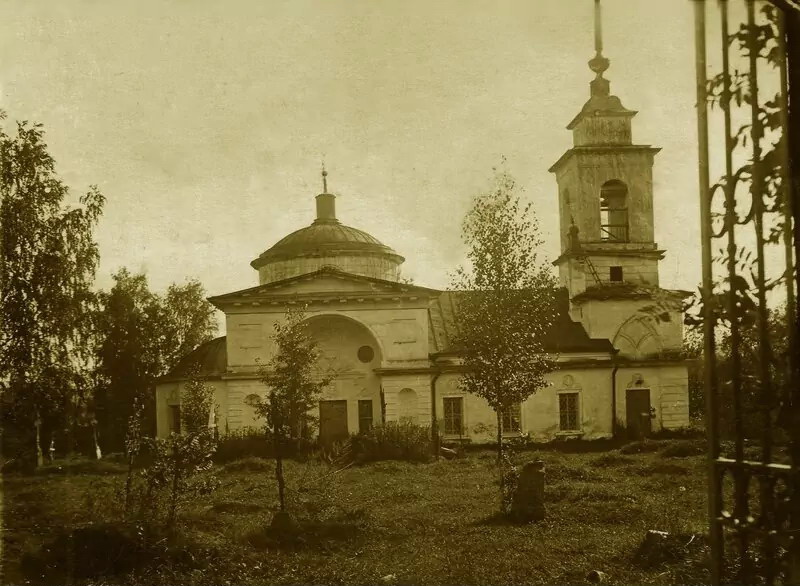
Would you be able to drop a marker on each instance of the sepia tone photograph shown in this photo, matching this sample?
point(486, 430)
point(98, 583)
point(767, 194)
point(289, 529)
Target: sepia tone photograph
point(399, 292)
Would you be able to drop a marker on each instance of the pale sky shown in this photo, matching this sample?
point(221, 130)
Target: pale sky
point(204, 122)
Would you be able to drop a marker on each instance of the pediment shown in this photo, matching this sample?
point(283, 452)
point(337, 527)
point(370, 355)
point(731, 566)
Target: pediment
point(324, 282)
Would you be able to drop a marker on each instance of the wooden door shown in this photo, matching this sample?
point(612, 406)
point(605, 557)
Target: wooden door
point(332, 421)
point(638, 412)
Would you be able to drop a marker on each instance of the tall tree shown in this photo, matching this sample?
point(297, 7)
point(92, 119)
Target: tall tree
point(508, 301)
point(141, 335)
point(294, 387)
point(48, 259)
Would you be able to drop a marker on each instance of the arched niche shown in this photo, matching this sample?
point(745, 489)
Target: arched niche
point(638, 338)
point(347, 347)
point(407, 405)
point(614, 211)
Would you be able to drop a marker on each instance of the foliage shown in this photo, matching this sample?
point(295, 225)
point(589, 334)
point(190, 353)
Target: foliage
point(508, 484)
point(182, 460)
point(141, 335)
point(508, 301)
point(133, 445)
point(293, 386)
point(48, 259)
point(392, 441)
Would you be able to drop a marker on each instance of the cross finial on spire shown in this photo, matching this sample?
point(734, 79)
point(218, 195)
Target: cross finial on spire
point(598, 63)
point(598, 29)
point(324, 178)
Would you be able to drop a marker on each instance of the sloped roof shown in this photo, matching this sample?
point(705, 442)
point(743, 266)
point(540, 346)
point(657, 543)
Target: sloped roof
point(624, 290)
point(271, 288)
point(208, 360)
point(566, 336)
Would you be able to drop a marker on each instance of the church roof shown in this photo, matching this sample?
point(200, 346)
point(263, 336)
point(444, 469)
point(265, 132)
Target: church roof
point(367, 284)
point(324, 238)
point(624, 290)
point(208, 360)
point(565, 336)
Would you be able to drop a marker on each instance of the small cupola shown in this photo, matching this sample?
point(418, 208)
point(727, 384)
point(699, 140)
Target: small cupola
point(326, 203)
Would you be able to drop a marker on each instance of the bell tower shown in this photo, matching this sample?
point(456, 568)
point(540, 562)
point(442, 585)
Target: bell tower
point(605, 191)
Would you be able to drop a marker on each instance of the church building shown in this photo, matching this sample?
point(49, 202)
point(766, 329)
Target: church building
point(389, 342)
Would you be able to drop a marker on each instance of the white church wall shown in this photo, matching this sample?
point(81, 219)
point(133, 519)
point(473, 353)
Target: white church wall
point(669, 393)
point(407, 397)
point(401, 332)
point(605, 318)
point(169, 394)
point(540, 416)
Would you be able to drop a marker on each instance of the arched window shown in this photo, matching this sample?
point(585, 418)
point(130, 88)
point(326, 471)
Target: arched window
point(614, 211)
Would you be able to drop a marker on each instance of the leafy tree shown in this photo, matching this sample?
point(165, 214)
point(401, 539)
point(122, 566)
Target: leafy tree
point(181, 460)
point(48, 259)
point(508, 304)
point(294, 387)
point(141, 335)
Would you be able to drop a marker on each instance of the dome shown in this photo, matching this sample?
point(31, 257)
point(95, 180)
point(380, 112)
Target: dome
point(324, 239)
point(327, 242)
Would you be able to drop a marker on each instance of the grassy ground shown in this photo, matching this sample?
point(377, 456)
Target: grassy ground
point(397, 522)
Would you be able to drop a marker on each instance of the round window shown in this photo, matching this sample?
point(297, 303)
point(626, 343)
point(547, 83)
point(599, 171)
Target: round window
point(366, 354)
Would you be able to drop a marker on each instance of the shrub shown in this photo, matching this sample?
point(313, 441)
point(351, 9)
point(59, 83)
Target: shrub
point(255, 442)
point(392, 441)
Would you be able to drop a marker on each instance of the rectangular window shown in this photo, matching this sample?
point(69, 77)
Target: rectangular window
point(615, 274)
point(175, 418)
point(512, 418)
point(568, 412)
point(453, 415)
point(364, 415)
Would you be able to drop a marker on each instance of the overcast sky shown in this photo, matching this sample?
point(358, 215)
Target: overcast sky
point(204, 122)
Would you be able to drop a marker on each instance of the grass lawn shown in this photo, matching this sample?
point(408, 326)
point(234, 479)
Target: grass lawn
point(394, 522)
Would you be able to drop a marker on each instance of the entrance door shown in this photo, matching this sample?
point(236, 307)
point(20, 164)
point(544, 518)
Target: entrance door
point(638, 413)
point(332, 421)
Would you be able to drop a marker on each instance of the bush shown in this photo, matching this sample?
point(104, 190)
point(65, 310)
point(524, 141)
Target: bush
point(392, 441)
point(255, 442)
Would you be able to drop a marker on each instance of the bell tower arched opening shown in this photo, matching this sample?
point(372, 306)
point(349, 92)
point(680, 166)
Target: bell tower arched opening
point(614, 211)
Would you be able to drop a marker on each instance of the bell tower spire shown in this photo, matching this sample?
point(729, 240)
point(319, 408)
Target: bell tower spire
point(605, 191)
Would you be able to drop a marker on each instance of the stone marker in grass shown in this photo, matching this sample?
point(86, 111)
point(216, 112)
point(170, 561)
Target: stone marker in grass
point(528, 503)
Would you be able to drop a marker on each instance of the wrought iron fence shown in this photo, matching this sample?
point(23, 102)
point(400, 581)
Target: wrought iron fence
point(750, 277)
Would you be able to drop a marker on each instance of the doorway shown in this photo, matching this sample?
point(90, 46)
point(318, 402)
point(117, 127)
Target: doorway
point(332, 421)
point(639, 413)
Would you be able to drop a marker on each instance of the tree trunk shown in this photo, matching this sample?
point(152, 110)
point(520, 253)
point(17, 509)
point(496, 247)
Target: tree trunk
point(173, 505)
point(128, 484)
point(97, 451)
point(39, 455)
point(279, 473)
point(499, 414)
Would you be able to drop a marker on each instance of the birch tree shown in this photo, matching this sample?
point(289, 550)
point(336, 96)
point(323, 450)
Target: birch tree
point(294, 387)
point(507, 302)
point(48, 260)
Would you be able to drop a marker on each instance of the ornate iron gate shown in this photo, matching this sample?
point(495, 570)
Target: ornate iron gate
point(749, 245)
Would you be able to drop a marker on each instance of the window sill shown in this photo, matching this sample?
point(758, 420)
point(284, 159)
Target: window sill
point(577, 433)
